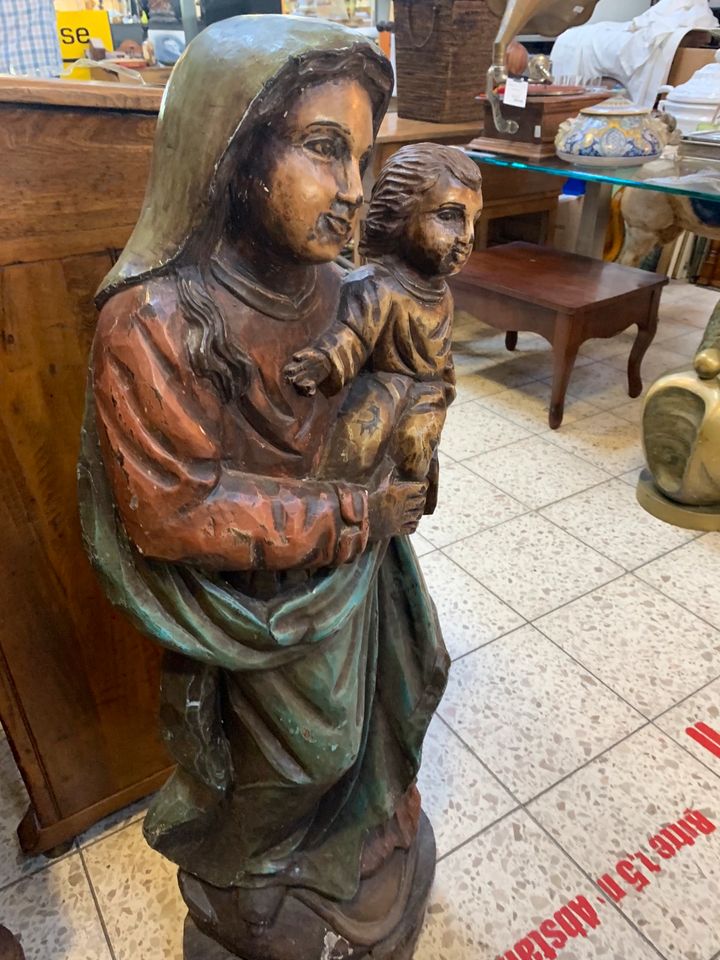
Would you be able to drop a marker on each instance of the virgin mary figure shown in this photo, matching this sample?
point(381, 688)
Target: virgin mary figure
point(304, 655)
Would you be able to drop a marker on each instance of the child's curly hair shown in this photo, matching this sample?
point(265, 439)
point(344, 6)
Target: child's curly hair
point(408, 174)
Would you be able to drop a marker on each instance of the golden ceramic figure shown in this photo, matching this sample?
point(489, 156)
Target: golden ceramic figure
point(546, 17)
point(394, 325)
point(681, 435)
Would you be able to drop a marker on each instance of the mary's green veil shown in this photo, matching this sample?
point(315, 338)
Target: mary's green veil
point(217, 90)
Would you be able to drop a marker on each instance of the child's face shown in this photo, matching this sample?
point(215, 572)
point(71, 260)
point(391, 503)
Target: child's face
point(441, 230)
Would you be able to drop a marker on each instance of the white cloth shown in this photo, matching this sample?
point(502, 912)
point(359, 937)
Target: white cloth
point(638, 53)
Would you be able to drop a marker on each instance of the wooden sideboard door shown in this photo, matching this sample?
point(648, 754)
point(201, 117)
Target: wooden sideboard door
point(78, 685)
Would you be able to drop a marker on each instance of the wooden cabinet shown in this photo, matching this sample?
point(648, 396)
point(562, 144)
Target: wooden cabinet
point(78, 685)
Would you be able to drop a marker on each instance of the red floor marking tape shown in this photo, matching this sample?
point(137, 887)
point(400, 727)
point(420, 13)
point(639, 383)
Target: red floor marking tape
point(706, 737)
point(577, 917)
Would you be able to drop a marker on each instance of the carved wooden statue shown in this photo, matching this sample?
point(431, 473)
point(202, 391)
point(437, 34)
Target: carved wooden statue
point(10, 948)
point(260, 438)
point(652, 219)
point(681, 435)
point(395, 318)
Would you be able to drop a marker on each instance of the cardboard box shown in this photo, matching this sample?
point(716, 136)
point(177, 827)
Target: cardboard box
point(687, 61)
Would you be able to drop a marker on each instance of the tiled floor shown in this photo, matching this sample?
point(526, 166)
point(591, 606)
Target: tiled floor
point(586, 639)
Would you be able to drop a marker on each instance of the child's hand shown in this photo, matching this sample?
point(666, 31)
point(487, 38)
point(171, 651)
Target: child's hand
point(306, 370)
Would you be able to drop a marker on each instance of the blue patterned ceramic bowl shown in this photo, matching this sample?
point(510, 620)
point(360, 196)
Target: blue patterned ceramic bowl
point(615, 133)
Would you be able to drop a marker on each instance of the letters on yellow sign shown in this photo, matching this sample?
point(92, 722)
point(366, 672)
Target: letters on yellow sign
point(77, 28)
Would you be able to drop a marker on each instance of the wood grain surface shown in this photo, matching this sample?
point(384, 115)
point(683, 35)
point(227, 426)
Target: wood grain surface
point(78, 685)
point(71, 181)
point(101, 95)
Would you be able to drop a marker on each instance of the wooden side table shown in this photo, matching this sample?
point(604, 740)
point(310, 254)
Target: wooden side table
point(565, 298)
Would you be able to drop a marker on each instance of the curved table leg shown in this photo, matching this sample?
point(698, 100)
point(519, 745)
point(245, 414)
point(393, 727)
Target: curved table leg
point(566, 342)
point(644, 338)
point(511, 339)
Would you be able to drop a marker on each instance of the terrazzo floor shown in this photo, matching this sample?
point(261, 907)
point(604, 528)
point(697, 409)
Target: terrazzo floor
point(585, 639)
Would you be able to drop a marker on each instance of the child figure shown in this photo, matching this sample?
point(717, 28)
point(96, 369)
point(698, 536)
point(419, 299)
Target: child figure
point(391, 339)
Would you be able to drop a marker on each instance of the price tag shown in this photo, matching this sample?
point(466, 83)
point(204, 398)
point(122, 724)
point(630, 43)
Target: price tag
point(516, 92)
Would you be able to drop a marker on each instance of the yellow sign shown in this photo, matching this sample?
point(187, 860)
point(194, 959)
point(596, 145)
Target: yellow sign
point(77, 28)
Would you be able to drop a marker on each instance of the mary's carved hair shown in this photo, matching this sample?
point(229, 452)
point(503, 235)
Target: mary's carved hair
point(209, 351)
point(407, 175)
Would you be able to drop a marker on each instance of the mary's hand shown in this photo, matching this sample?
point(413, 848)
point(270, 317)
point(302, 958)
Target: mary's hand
point(396, 508)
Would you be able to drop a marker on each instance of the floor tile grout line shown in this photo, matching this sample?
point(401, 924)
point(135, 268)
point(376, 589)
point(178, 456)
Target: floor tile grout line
point(491, 526)
point(480, 373)
point(609, 479)
point(538, 512)
point(680, 702)
point(644, 563)
point(680, 603)
point(529, 508)
point(586, 763)
point(28, 876)
point(534, 622)
point(511, 443)
point(553, 434)
point(98, 908)
point(687, 750)
point(477, 476)
point(77, 847)
point(500, 446)
point(112, 831)
point(476, 836)
point(647, 719)
point(587, 670)
point(39, 868)
point(662, 557)
point(593, 882)
point(503, 386)
point(531, 620)
point(510, 793)
point(481, 401)
point(533, 431)
point(566, 776)
point(546, 427)
point(482, 763)
point(535, 509)
point(627, 570)
point(523, 805)
point(481, 646)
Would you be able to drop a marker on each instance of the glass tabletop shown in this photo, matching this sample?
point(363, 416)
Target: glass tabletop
point(684, 168)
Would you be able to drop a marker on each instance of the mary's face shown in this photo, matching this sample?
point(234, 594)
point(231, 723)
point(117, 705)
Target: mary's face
point(308, 187)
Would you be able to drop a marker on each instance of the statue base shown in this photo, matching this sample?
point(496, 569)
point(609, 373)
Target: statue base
point(678, 514)
point(382, 922)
